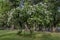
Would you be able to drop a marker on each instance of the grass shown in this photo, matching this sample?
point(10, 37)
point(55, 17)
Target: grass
point(12, 35)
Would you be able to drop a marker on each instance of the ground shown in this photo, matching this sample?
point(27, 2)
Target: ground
point(12, 35)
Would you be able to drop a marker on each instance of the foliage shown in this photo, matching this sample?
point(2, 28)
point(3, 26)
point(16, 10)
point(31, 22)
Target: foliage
point(33, 14)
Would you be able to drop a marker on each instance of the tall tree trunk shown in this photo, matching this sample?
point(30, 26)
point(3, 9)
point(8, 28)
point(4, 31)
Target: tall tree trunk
point(26, 27)
point(43, 29)
point(54, 23)
point(20, 28)
point(53, 29)
point(12, 27)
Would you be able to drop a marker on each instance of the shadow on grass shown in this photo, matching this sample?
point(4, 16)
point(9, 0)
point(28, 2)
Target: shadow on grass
point(27, 35)
point(46, 36)
point(9, 34)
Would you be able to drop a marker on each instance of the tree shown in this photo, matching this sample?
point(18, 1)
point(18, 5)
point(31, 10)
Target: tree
point(4, 7)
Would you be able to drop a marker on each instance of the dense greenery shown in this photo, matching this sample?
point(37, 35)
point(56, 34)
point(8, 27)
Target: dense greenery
point(30, 15)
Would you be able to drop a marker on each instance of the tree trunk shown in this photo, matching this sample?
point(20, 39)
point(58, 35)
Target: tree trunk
point(43, 29)
point(53, 29)
point(12, 27)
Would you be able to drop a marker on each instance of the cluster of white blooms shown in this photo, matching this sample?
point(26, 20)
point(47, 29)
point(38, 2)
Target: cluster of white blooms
point(58, 9)
point(43, 4)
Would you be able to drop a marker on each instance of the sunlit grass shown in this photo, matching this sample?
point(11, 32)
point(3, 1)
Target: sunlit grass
point(12, 35)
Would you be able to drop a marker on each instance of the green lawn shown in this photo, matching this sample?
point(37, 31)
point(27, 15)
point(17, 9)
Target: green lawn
point(12, 35)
